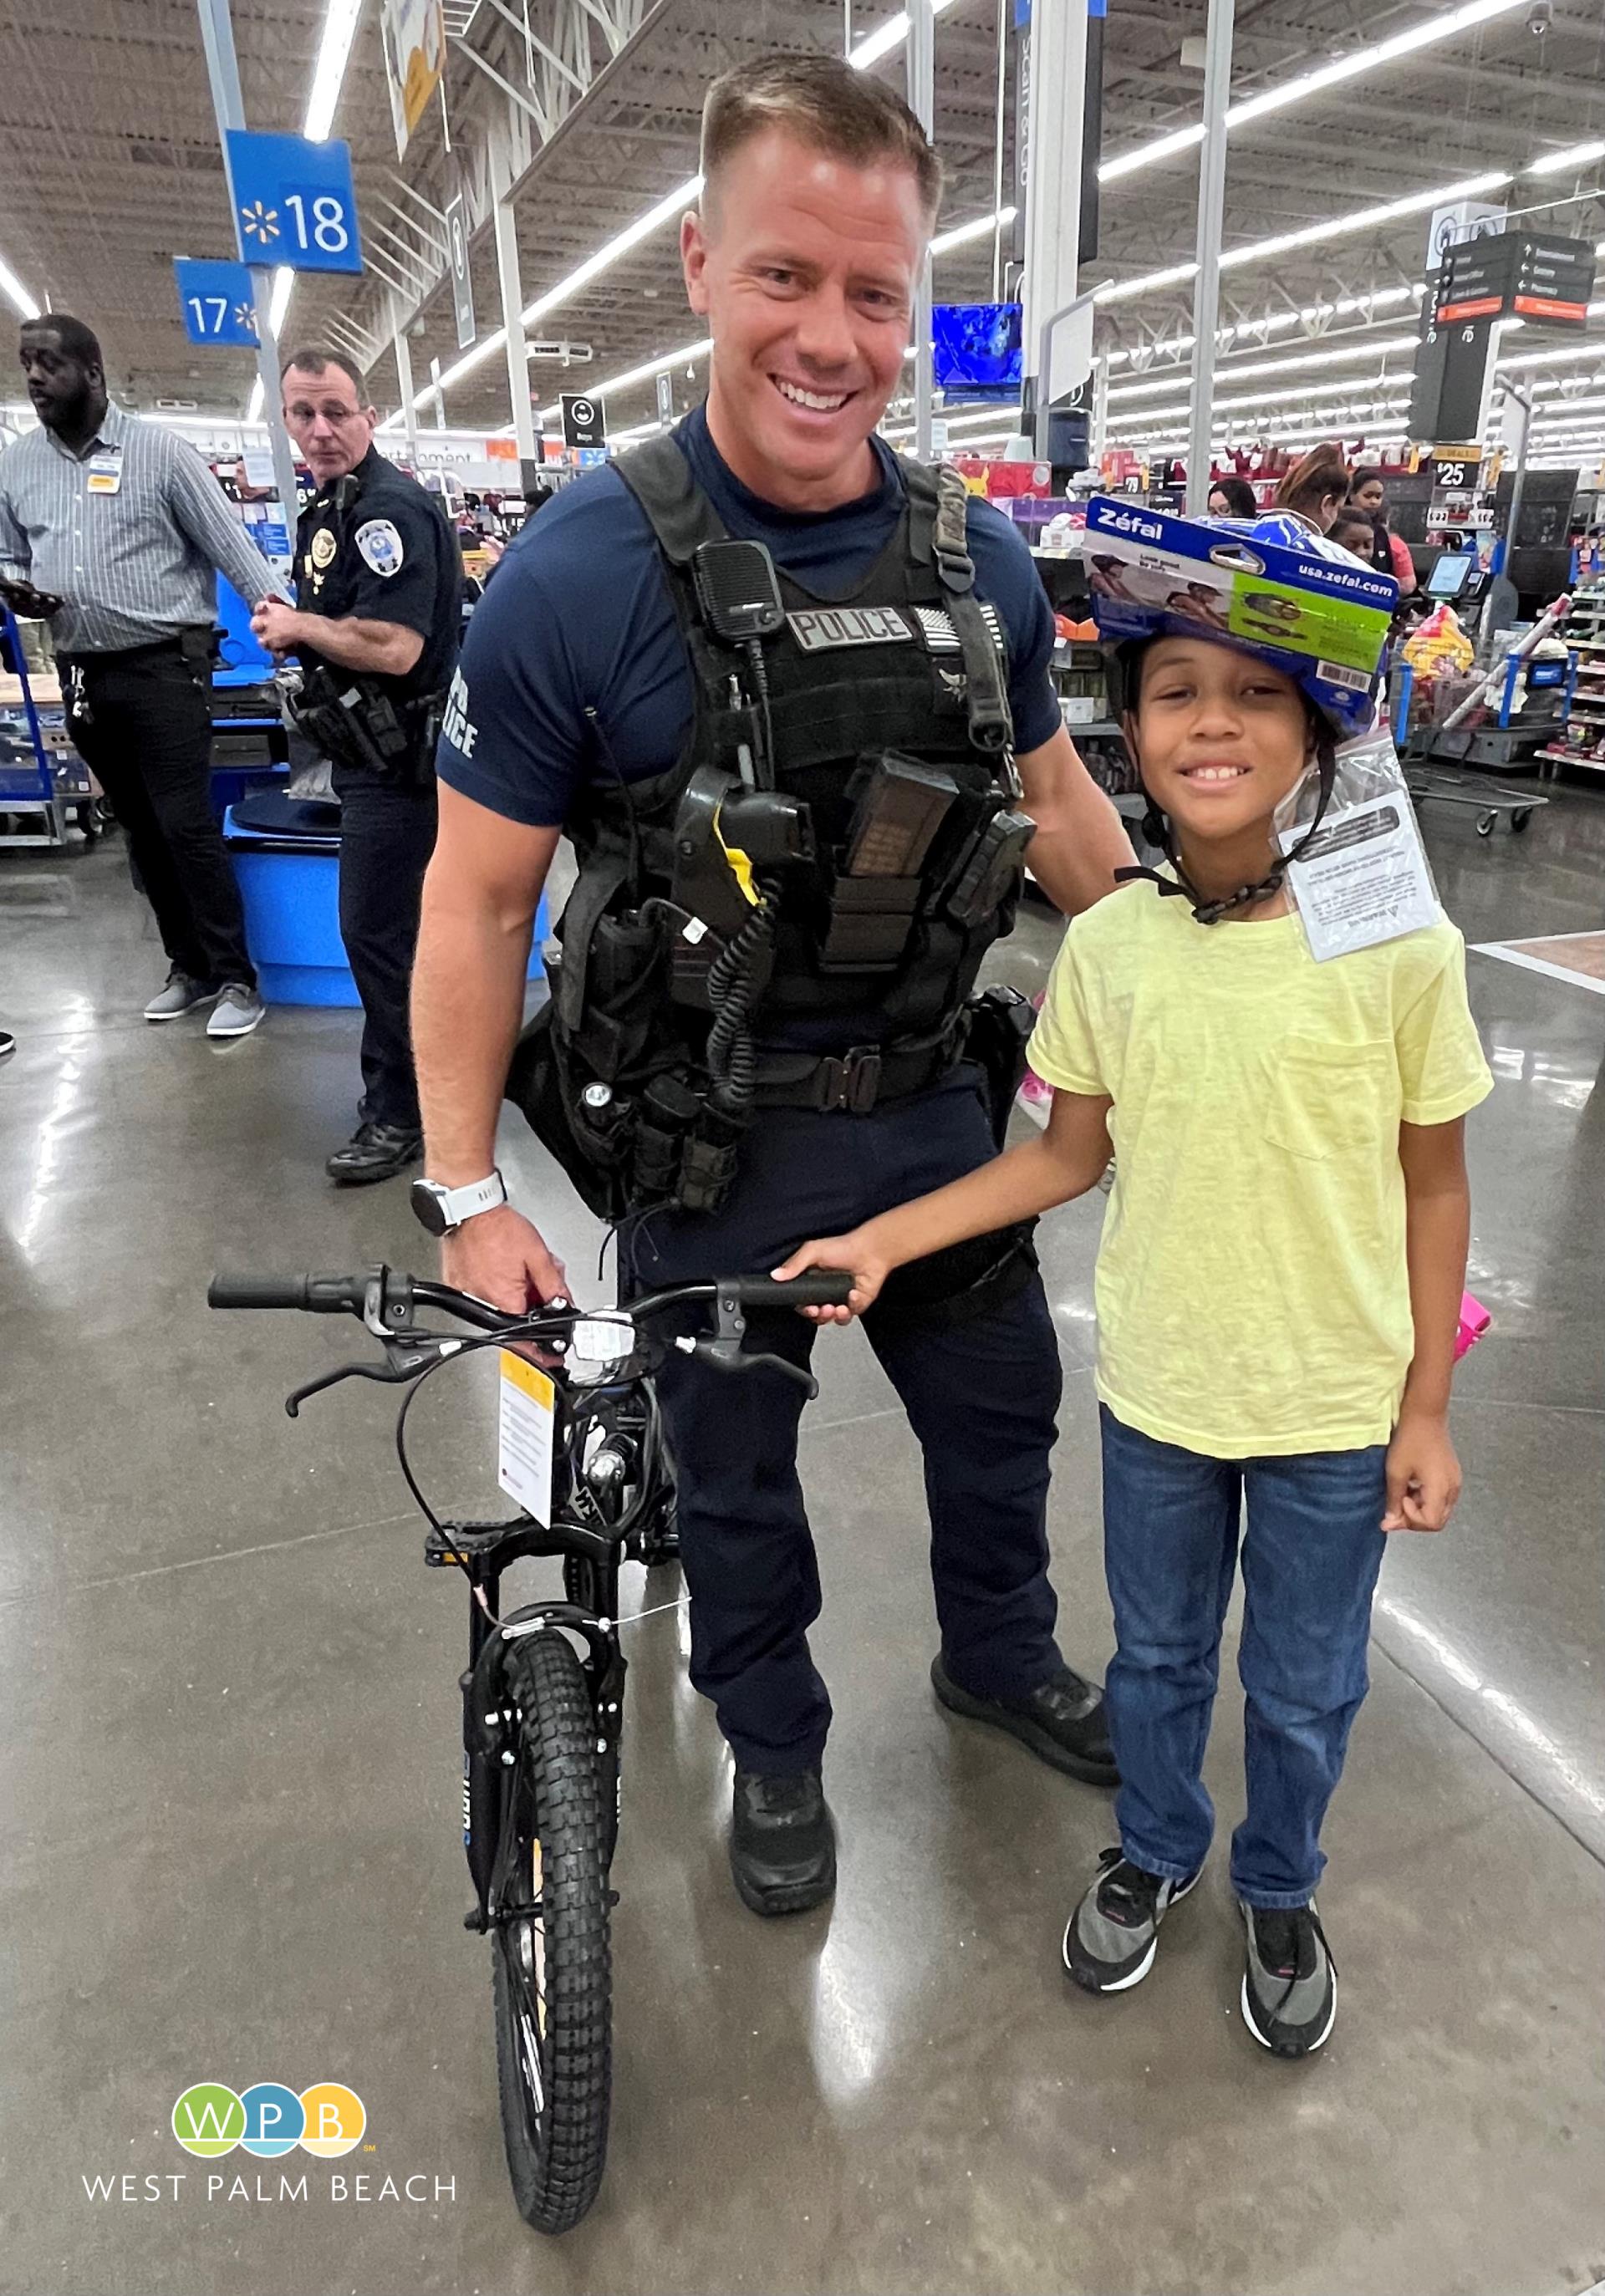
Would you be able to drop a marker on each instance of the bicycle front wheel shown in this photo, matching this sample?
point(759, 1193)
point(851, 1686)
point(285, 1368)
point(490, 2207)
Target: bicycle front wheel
point(552, 1970)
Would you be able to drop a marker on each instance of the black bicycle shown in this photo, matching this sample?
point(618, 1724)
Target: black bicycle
point(543, 1693)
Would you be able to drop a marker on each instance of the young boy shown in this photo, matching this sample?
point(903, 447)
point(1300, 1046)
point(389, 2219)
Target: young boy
point(1278, 1292)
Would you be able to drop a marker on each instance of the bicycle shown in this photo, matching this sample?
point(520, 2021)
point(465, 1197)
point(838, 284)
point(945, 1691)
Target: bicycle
point(543, 1692)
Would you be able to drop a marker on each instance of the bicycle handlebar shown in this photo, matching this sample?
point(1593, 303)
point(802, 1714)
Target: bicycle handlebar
point(333, 1295)
point(319, 1295)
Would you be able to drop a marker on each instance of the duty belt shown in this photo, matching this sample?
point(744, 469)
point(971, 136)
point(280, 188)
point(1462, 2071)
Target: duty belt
point(854, 1082)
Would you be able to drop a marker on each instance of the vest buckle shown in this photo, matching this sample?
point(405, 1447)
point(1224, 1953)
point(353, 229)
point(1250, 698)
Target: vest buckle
point(849, 1086)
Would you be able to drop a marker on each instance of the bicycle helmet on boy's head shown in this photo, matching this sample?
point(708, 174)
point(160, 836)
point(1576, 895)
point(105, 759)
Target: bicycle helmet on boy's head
point(1280, 593)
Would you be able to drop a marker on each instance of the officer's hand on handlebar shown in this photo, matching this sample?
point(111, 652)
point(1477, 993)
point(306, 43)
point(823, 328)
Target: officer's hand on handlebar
point(501, 1256)
point(859, 1254)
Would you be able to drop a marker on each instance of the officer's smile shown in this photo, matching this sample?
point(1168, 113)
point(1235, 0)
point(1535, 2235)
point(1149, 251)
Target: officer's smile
point(812, 401)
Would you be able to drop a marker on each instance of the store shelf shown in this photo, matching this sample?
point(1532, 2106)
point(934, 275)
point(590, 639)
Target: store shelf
point(1574, 757)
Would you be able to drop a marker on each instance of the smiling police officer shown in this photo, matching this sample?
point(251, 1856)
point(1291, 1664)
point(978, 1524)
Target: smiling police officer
point(378, 588)
point(789, 697)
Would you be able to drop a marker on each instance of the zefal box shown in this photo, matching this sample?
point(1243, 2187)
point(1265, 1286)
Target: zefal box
point(1300, 602)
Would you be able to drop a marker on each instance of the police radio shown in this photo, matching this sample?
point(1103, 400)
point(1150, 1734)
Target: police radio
point(736, 591)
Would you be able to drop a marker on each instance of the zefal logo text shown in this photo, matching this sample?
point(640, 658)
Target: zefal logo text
point(268, 2119)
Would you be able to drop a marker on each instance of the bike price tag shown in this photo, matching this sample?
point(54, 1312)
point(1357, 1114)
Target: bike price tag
point(526, 1427)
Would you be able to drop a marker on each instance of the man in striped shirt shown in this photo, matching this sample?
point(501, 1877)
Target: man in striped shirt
point(118, 528)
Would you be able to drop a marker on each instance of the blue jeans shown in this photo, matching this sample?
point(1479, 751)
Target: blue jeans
point(1310, 1553)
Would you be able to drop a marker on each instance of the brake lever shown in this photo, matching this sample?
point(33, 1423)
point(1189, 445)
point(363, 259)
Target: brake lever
point(403, 1361)
point(727, 1355)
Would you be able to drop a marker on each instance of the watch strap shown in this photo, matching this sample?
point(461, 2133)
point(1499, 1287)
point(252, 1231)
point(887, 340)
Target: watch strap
point(460, 1204)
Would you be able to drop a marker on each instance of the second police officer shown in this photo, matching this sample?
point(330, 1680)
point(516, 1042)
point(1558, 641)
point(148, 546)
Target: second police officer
point(788, 696)
point(379, 580)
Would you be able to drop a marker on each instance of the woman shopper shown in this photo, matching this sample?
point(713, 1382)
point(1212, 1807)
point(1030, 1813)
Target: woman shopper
point(1369, 494)
point(1232, 498)
point(1314, 489)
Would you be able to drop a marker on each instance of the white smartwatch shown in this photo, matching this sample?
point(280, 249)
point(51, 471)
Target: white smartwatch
point(443, 1210)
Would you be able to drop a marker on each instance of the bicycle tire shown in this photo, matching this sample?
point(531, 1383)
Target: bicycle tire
point(553, 1990)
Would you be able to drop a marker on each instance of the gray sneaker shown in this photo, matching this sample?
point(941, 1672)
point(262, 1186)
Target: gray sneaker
point(1289, 1979)
point(1111, 1938)
point(182, 995)
point(237, 1012)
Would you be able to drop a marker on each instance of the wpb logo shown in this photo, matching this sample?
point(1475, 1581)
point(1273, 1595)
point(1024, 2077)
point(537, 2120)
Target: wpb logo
point(269, 2120)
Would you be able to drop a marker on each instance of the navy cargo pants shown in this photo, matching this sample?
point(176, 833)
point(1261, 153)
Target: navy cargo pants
point(980, 1393)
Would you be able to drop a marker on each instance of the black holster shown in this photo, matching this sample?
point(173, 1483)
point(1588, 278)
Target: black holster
point(1001, 1022)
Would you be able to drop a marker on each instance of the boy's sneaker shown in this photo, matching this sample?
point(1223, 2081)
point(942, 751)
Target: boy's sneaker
point(1111, 1938)
point(1289, 1979)
point(182, 995)
point(237, 1011)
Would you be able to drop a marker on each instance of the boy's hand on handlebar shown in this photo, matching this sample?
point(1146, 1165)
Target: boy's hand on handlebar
point(859, 1254)
point(499, 1256)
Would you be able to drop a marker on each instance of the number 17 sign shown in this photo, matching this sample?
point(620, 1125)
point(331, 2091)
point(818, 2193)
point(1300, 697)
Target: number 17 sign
point(216, 303)
point(294, 202)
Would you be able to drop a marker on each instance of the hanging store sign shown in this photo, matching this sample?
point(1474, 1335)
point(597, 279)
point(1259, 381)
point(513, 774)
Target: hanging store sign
point(462, 279)
point(1517, 275)
point(216, 303)
point(414, 36)
point(294, 203)
point(584, 419)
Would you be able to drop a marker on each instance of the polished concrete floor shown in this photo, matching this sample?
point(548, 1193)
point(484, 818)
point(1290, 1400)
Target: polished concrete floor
point(228, 1843)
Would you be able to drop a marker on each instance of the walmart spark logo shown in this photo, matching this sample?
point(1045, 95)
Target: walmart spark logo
point(269, 2120)
point(259, 221)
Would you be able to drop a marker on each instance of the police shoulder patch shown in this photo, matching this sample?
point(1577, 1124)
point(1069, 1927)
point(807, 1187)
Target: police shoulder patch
point(381, 547)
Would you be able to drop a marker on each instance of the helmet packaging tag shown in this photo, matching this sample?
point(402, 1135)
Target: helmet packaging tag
point(1362, 876)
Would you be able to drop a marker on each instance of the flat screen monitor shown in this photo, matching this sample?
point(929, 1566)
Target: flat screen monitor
point(978, 349)
point(1451, 572)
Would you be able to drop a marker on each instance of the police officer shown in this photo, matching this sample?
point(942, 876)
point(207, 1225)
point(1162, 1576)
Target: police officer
point(864, 720)
point(379, 584)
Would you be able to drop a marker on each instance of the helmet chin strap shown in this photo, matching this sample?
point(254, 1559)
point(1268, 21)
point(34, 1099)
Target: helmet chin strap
point(1207, 911)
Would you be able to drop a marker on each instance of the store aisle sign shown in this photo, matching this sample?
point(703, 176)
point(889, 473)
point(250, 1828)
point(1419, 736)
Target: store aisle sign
point(462, 277)
point(216, 303)
point(294, 203)
point(584, 419)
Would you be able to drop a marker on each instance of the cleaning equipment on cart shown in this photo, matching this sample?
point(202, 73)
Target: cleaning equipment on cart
point(1273, 589)
point(1357, 870)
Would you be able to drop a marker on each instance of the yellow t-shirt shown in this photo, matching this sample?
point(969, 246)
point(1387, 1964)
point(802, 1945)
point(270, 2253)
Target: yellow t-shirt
point(1252, 1292)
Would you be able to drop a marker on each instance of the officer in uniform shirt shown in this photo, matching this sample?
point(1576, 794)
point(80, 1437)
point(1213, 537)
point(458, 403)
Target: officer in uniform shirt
point(378, 588)
point(788, 696)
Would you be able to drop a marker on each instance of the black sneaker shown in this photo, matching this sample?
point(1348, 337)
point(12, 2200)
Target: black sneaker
point(375, 1151)
point(1111, 1938)
point(1061, 1720)
point(782, 1842)
point(8, 1043)
point(1289, 1979)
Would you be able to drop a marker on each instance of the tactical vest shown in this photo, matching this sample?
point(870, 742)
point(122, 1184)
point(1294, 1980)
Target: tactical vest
point(885, 718)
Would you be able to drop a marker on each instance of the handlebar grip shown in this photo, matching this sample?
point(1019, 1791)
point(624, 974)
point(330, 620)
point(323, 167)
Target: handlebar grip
point(816, 1287)
point(327, 1295)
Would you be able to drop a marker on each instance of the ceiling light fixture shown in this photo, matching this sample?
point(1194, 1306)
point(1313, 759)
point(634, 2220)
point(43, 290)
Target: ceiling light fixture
point(1576, 155)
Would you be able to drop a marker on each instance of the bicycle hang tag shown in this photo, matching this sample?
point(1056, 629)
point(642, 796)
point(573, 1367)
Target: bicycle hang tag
point(526, 1436)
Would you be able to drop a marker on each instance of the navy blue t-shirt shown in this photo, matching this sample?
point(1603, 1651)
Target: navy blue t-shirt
point(575, 645)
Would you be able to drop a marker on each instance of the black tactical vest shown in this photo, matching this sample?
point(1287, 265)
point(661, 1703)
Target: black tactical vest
point(867, 977)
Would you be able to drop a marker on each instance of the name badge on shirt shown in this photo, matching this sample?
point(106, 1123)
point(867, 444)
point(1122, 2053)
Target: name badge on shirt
point(105, 472)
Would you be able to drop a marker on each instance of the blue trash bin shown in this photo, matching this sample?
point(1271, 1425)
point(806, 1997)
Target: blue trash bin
point(290, 885)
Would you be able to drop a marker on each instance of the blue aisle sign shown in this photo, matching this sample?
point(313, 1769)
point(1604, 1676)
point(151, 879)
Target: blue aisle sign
point(293, 202)
point(216, 303)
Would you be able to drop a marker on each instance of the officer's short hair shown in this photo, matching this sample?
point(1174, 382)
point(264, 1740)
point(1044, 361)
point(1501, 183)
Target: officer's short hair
point(848, 114)
point(77, 341)
point(316, 358)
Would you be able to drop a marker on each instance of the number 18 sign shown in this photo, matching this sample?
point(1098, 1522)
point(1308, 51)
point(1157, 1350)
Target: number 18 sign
point(294, 202)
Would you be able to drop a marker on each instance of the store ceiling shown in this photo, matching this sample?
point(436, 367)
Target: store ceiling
point(110, 166)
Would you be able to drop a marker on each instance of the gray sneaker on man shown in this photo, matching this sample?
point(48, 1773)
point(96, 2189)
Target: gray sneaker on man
point(1112, 1937)
point(1289, 1979)
point(182, 995)
point(237, 1011)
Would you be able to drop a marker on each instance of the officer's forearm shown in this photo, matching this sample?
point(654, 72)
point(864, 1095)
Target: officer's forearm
point(1081, 839)
point(468, 1004)
point(386, 647)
